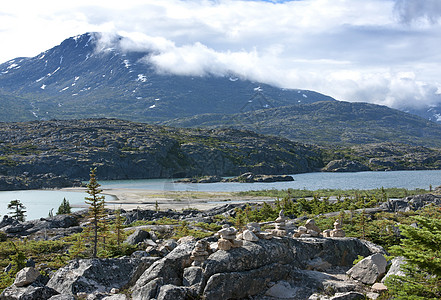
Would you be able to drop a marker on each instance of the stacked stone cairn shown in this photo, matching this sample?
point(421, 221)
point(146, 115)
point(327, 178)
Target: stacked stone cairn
point(199, 253)
point(280, 225)
point(336, 232)
point(228, 239)
point(253, 233)
point(309, 230)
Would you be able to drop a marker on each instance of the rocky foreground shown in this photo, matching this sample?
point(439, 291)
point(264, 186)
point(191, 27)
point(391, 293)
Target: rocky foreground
point(280, 268)
point(286, 262)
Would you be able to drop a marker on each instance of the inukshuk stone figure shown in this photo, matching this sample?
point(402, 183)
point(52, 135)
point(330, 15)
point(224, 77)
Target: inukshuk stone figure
point(255, 229)
point(337, 231)
point(228, 238)
point(199, 253)
point(312, 229)
point(280, 225)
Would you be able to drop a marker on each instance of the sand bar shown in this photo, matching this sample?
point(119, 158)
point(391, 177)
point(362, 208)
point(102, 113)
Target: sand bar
point(177, 200)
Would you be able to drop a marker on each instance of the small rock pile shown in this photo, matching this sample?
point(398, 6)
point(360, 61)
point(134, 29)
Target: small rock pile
point(336, 232)
point(199, 253)
point(253, 233)
point(228, 238)
point(280, 225)
point(309, 230)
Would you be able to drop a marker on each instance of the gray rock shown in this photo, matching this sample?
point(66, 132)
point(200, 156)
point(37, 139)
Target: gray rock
point(137, 237)
point(236, 285)
point(348, 296)
point(283, 290)
point(115, 297)
point(248, 235)
point(395, 268)
point(139, 254)
point(411, 203)
point(98, 275)
point(192, 276)
point(173, 292)
point(369, 269)
point(167, 270)
point(30, 292)
point(62, 297)
point(26, 276)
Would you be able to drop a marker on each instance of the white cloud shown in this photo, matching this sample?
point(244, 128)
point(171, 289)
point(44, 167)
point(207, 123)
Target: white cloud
point(354, 50)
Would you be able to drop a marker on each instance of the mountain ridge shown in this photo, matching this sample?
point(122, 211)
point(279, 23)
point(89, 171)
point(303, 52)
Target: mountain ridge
point(328, 122)
point(84, 78)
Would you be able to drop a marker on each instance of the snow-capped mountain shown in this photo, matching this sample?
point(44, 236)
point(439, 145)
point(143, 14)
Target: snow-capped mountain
point(83, 77)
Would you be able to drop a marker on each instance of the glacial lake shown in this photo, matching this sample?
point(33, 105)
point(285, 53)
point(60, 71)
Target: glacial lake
point(39, 202)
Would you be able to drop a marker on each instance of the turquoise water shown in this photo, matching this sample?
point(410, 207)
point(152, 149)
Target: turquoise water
point(39, 203)
point(309, 181)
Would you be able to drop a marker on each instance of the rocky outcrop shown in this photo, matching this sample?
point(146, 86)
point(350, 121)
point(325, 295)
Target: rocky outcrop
point(250, 178)
point(48, 228)
point(246, 177)
point(204, 179)
point(98, 275)
point(344, 165)
point(36, 181)
point(247, 270)
point(279, 266)
point(411, 203)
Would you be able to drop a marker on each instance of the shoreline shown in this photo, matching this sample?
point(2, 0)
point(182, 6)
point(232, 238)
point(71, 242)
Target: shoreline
point(129, 199)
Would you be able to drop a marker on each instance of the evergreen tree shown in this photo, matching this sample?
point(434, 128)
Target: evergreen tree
point(64, 208)
point(118, 226)
point(421, 248)
point(18, 210)
point(96, 208)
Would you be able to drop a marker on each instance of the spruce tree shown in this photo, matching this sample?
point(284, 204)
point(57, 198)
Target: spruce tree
point(64, 208)
point(18, 210)
point(96, 208)
point(118, 226)
point(421, 248)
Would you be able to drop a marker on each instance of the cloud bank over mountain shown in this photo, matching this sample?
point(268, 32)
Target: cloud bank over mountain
point(379, 51)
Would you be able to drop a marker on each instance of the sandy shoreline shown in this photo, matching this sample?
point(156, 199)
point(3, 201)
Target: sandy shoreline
point(129, 199)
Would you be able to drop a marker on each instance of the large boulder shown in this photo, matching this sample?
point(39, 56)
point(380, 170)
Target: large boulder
point(98, 275)
point(369, 269)
point(247, 270)
point(137, 237)
point(168, 270)
point(26, 276)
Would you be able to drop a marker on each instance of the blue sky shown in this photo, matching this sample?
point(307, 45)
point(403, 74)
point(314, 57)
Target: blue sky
point(379, 51)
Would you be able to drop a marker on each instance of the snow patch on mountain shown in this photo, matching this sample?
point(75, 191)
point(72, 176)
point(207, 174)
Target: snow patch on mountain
point(56, 70)
point(142, 78)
